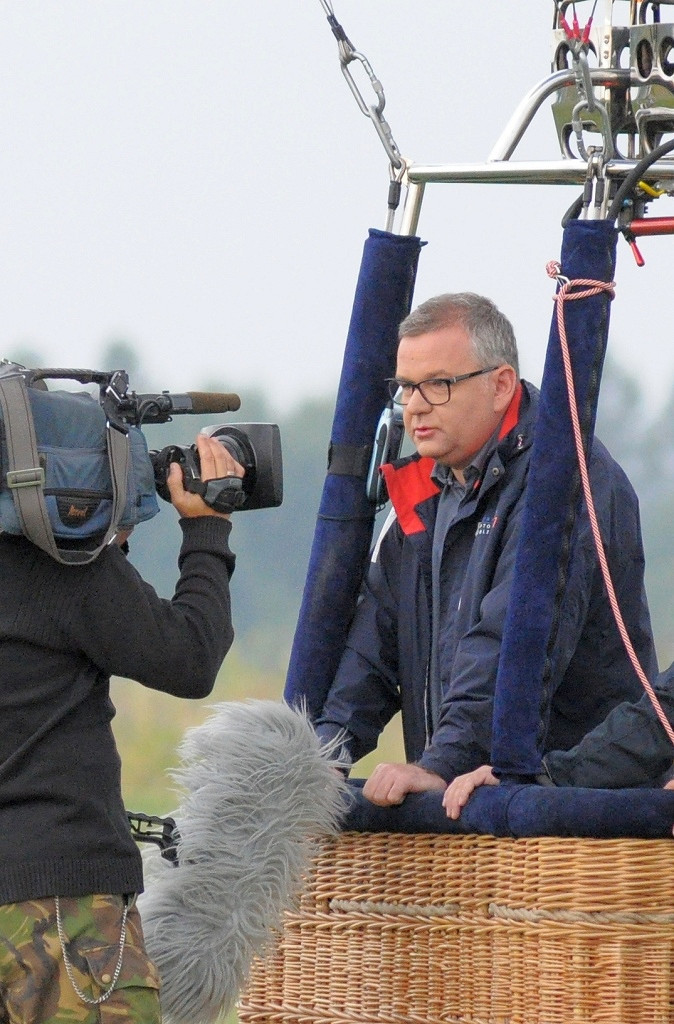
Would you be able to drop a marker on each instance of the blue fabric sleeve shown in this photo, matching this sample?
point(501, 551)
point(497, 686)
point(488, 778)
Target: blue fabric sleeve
point(629, 748)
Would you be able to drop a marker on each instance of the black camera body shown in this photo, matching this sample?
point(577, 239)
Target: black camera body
point(255, 446)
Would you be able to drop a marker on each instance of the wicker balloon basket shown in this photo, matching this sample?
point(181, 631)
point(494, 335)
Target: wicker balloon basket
point(475, 930)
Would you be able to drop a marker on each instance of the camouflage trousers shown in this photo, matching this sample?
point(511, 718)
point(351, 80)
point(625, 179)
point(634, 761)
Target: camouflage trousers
point(34, 983)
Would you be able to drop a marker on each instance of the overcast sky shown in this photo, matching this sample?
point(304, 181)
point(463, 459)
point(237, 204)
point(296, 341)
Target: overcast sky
point(194, 176)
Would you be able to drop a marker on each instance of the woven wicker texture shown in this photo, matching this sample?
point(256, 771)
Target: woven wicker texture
point(475, 930)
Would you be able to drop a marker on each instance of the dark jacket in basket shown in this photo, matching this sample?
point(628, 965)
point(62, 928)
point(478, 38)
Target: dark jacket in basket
point(385, 666)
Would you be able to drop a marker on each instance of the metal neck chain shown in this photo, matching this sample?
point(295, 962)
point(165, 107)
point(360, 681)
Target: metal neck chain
point(69, 971)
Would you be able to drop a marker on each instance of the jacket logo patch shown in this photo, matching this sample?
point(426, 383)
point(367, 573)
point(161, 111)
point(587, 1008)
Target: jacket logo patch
point(485, 525)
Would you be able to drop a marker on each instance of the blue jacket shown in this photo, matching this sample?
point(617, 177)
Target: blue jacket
point(384, 667)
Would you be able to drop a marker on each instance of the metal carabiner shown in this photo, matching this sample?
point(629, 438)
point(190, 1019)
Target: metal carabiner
point(344, 61)
point(596, 192)
point(588, 101)
point(374, 111)
point(347, 54)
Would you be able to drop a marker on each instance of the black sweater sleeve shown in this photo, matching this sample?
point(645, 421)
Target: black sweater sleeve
point(176, 646)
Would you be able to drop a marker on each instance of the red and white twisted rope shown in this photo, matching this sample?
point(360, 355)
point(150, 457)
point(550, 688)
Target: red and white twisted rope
point(569, 291)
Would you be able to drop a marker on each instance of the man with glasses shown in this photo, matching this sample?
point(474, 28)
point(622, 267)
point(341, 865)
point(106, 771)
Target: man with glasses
point(426, 635)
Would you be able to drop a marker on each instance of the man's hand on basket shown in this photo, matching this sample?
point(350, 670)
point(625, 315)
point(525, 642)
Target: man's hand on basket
point(389, 784)
point(459, 790)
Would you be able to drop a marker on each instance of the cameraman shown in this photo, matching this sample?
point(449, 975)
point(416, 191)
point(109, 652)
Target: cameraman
point(71, 942)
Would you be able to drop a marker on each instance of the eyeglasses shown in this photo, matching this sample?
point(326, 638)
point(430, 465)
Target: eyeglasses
point(435, 390)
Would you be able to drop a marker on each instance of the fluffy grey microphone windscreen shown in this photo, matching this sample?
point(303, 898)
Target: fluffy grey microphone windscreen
point(259, 790)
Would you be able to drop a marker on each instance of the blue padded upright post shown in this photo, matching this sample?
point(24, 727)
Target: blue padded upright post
point(551, 502)
point(345, 519)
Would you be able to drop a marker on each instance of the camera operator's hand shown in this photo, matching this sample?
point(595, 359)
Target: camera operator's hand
point(215, 462)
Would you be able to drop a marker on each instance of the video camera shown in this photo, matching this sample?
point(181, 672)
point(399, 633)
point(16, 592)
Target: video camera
point(255, 446)
point(75, 468)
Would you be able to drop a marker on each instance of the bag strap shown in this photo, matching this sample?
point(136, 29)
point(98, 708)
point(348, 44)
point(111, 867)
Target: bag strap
point(25, 476)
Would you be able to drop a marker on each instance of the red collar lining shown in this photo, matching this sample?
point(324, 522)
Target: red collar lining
point(411, 484)
point(512, 413)
point(408, 486)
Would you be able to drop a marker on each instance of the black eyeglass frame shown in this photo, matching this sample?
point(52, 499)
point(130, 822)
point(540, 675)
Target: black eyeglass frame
point(394, 385)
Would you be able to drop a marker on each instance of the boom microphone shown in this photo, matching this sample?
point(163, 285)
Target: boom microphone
point(207, 402)
point(159, 408)
point(259, 792)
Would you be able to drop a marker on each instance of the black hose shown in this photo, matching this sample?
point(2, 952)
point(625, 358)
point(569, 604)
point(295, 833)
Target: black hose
point(635, 175)
point(573, 210)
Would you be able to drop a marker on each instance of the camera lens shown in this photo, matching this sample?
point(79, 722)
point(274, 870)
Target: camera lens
point(240, 448)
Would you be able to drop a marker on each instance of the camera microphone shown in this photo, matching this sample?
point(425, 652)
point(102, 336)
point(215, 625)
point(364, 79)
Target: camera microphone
point(207, 402)
point(259, 792)
point(159, 408)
